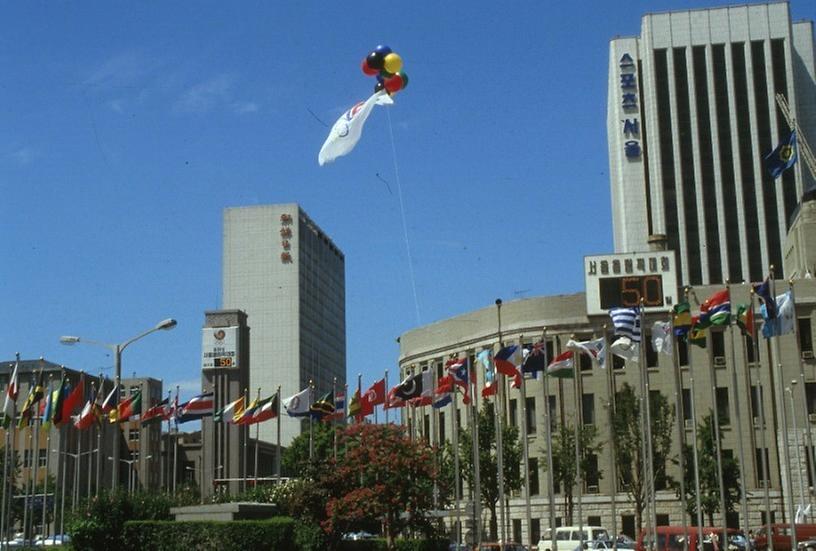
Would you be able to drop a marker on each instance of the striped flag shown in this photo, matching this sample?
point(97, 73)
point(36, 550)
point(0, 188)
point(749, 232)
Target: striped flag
point(11, 397)
point(626, 322)
point(196, 407)
point(562, 366)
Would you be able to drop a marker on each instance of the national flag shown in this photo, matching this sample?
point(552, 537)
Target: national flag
point(562, 366)
point(682, 319)
point(346, 132)
point(782, 324)
point(12, 390)
point(393, 401)
point(517, 379)
point(626, 322)
point(267, 409)
point(490, 387)
point(625, 348)
point(416, 386)
point(128, 408)
point(173, 411)
point(35, 394)
point(662, 337)
point(783, 157)
point(324, 406)
point(508, 359)
point(195, 408)
point(228, 412)
point(458, 370)
point(156, 413)
point(340, 406)
point(355, 406)
point(745, 319)
point(57, 399)
point(74, 399)
point(442, 400)
point(86, 417)
point(697, 333)
point(421, 401)
point(444, 385)
point(716, 309)
point(595, 349)
point(763, 291)
point(47, 408)
point(245, 416)
point(298, 404)
point(366, 407)
point(536, 358)
point(375, 395)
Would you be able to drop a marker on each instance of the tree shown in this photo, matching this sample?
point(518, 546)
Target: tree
point(381, 476)
point(626, 427)
point(563, 453)
point(295, 459)
point(488, 461)
point(709, 480)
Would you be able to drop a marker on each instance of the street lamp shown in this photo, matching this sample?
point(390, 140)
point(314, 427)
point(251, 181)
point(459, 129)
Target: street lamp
point(117, 350)
point(131, 478)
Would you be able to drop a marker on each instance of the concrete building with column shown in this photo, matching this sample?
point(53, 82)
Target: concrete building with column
point(288, 276)
point(691, 113)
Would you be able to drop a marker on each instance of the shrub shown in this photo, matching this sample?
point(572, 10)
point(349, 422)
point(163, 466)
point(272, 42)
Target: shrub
point(273, 534)
point(376, 544)
point(422, 545)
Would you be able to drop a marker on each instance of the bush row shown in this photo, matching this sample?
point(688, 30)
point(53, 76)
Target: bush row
point(239, 535)
point(400, 544)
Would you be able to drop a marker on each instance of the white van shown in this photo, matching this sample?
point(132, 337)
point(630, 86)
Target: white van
point(569, 537)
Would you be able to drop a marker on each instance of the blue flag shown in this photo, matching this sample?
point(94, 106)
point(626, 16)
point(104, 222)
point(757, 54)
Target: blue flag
point(783, 157)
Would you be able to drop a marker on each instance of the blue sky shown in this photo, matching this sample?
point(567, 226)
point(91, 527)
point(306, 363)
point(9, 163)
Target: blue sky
point(126, 128)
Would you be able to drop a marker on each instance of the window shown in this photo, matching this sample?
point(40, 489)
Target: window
point(534, 490)
point(682, 352)
point(513, 413)
point(750, 351)
point(594, 520)
point(427, 428)
point(441, 427)
point(530, 415)
point(588, 408)
point(26, 459)
point(717, 345)
point(42, 458)
point(535, 529)
point(805, 335)
point(628, 525)
point(551, 413)
point(592, 474)
point(134, 389)
point(687, 404)
point(722, 406)
point(133, 435)
point(585, 362)
point(755, 402)
point(516, 529)
point(134, 455)
point(662, 520)
point(760, 476)
point(764, 515)
point(618, 362)
point(810, 394)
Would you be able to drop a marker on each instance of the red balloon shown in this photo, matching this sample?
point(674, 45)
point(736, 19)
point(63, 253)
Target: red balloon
point(393, 84)
point(368, 70)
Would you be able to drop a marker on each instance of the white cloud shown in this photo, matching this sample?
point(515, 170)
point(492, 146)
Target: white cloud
point(204, 96)
point(121, 70)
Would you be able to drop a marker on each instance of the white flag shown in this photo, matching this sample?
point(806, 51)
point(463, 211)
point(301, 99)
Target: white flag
point(346, 132)
point(626, 349)
point(662, 337)
point(595, 349)
point(298, 405)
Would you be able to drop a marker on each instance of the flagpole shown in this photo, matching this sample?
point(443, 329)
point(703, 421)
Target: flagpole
point(245, 429)
point(681, 430)
point(278, 450)
point(385, 408)
point(645, 419)
point(579, 479)
point(456, 492)
point(64, 454)
point(47, 458)
point(740, 446)
point(789, 390)
point(762, 436)
point(545, 383)
point(75, 489)
point(610, 408)
point(499, 439)
point(777, 366)
point(6, 462)
point(28, 476)
point(175, 442)
point(434, 440)
point(811, 454)
point(257, 438)
point(99, 429)
point(697, 499)
point(477, 477)
point(526, 451)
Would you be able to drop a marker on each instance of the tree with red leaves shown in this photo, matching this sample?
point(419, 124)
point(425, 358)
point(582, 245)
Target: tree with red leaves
point(382, 476)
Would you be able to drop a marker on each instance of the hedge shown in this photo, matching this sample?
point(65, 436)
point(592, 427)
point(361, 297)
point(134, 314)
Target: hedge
point(399, 544)
point(239, 535)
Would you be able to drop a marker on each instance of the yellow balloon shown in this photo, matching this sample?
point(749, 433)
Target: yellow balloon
point(392, 63)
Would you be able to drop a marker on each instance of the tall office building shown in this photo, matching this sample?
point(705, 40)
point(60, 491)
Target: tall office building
point(289, 277)
point(691, 114)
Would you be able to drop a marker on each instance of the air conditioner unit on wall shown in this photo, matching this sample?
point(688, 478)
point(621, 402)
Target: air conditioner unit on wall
point(719, 361)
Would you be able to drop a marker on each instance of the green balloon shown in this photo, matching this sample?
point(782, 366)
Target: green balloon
point(404, 79)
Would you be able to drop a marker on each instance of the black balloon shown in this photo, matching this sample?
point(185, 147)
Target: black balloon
point(379, 86)
point(375, 60)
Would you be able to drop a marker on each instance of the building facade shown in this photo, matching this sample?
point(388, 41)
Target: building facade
point(691, 114)
point(289, 277)
point(141, 454)
point(726, 377)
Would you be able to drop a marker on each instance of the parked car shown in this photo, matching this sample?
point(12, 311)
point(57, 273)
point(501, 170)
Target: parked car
point(807, 545)
point(52, 541)
point(489, 546)
point(782, 537)
point(569, 537)
point(672, 538)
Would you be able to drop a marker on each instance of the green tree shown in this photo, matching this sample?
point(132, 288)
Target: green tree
point(488, 461)
point(382, 477)
point(709, 481)
point(295, 459)
point(563, 453)
point(626, 427)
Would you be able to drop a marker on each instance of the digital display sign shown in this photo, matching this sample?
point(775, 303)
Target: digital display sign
point(628, 291)
point(623, 280)
point(219, 347)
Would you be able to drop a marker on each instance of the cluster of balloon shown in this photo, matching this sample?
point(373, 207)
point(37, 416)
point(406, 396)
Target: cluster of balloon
point(387, 66)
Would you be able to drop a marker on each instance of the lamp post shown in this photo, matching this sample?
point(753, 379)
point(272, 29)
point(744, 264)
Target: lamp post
point(117, 350)
point(131, 479)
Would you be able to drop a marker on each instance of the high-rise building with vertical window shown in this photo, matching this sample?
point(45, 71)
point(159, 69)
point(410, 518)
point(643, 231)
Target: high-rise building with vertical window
point(692, 111)
point(285, 273)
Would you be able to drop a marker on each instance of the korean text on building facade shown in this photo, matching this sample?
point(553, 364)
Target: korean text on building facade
point(629, 104)
point(286, 238)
